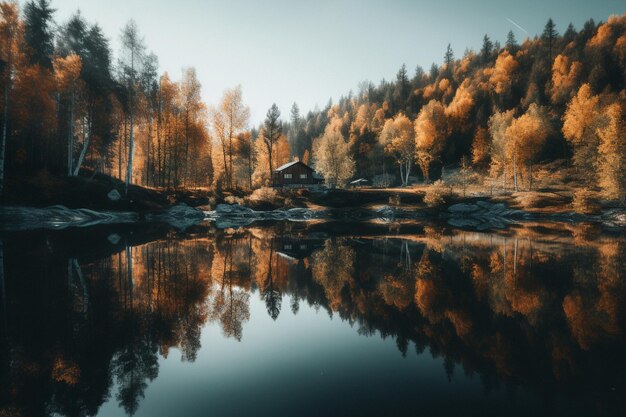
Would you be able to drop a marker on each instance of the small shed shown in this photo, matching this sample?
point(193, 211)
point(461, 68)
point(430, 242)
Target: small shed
point(295, 174)
point(359, 183)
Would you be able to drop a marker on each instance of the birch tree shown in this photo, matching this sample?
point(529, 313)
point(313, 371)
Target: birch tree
point(132, 60)
point(398, 139)
point(67, 74)
point(332, 158)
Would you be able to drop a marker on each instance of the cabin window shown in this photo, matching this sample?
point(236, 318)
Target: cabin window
point(288, 176)
point(287, 247)
point(303, 176)
point(302, 247)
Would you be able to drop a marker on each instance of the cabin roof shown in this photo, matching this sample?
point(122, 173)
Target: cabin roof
point(287, 165)
point(292, 163)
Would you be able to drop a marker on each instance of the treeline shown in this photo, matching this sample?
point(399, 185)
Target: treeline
point(501, 109)
point(68, 107)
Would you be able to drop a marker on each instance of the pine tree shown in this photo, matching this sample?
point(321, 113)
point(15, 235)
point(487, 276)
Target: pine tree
point(402, 88)
point(271, 132)
point(487, 48)
point(511, 42)
point(570, 33)
point(38, 32)
point(448, 58)
point(549, 36)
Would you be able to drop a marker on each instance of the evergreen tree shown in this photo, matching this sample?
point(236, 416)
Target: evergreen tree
point(402, 88)
point(38, 32)
point(272, 130)
point(570, 33)
point(487, 48)
point(448, 58)
point(511, 42)
point(549, 36)
point(434, 72)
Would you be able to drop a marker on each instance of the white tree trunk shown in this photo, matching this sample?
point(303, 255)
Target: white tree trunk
point(83, 152)
point(515, 169)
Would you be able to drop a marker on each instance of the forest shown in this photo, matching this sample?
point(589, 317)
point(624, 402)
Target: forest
point(497, 116)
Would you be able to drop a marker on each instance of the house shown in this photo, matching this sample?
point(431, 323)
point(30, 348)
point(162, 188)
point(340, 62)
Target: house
point(295, 174)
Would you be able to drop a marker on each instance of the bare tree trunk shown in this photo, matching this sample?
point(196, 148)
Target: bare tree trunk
point(515, 169)
point(87, 138)
point(131, 145)
point(129, 169)
point(408, 172)
point(5, 115)
point(70, 135)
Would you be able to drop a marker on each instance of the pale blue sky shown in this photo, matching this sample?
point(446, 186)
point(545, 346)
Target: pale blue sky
point(285, 51)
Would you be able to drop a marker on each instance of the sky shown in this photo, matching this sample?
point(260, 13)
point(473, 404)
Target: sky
point(309, 51)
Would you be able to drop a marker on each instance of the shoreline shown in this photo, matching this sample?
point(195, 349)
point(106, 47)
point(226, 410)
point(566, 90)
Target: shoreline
point(471, 213)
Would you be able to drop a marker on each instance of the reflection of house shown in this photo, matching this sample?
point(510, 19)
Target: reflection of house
point(298, 248)
point(295, 174)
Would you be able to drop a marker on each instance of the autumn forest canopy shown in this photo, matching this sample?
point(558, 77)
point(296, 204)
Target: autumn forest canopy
point(69, 108)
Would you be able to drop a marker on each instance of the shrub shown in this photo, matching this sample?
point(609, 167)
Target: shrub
point(231, 199)
point(585, 202)
point(264, 194)
point(436, 194)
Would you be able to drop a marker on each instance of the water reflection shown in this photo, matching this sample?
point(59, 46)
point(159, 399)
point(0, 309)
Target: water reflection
point(540, 307)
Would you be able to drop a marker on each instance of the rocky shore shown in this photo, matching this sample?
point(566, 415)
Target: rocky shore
point(480, 215)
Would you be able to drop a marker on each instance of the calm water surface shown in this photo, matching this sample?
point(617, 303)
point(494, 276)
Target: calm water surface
point(313, 320)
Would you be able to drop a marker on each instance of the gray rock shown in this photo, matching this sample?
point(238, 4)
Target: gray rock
point(233, 209)
point(114, 238)
point(58, 217)
point(464, 222)
point(463, 208)
point(484, 205)
point(180, 216)
point(114, 195)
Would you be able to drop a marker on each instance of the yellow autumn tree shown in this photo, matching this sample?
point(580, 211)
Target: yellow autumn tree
point(480, 147)
point(503, 72)
point(565, 75)
point(430, 135)
point(580, 123)
point(524, 139)
point(612, 152)
point(398, 139)
point(332, 156)
point(499, 122)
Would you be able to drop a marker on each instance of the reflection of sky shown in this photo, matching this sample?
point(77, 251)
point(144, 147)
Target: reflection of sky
point(286, 51)
point(303, 365)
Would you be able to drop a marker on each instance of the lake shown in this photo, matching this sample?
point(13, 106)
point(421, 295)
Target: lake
point(313, 319)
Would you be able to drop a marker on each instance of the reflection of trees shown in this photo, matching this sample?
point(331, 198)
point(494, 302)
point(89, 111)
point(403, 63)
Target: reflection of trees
point(89, 323)
point(333, 269)
point(133, 366)
point(271, 294)
point(517, 309)
point(230, 305)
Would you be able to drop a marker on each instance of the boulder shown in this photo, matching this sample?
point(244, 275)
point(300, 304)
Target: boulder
point(463, 208)
point(114, 195)
point(233, 210)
